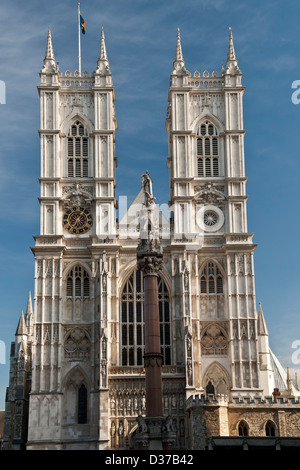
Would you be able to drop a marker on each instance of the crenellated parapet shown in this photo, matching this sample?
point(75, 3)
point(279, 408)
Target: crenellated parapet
point(201, 400)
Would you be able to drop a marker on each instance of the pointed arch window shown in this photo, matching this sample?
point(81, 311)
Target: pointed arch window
point(78, 283)
point(270, 429)
point(207, 150)
point(212, 302)
point(78, 151)
point(132, 321)
point(243, 429)
point(211, 280)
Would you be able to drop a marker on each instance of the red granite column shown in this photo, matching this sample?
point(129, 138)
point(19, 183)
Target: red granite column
point(153, 358)
point(154, 432)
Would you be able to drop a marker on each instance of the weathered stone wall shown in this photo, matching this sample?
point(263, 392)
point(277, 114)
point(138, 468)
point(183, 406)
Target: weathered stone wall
point(208, 418)
point(287, 421)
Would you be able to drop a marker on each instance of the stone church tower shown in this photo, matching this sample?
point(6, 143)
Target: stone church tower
point(85, 341)
point(208, 193)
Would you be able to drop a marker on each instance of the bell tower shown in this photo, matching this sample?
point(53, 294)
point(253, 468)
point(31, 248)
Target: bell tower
point(211, 247)
point(77, 131)
point(77, 220)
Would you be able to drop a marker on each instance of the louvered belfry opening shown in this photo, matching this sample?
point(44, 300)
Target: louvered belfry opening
point(78, 151)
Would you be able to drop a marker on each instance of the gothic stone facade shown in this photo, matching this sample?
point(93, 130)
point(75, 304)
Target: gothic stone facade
point(77, 378)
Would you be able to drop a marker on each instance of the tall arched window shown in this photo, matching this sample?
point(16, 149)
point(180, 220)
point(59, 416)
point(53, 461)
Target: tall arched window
point(132, 321)
point(78, 151)
point(78, 283)
point(82, 405)
point(211, 279)
point(212, 302)
point(207, 150)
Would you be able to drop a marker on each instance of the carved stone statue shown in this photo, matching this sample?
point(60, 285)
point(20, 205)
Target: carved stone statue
point(147, 188)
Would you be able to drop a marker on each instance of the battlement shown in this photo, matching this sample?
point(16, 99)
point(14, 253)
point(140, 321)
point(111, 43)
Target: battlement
point(267, 400)
point(195, 400)
point(200, 400)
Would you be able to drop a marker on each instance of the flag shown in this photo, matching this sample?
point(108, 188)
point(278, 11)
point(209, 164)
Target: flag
point(82, 24)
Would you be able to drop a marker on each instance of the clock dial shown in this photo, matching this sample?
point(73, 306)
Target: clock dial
point(77, 220)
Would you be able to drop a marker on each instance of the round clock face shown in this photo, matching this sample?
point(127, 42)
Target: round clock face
point(77, 220)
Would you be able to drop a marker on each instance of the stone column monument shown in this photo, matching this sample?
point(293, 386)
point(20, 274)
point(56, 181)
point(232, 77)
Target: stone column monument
point(154, 431)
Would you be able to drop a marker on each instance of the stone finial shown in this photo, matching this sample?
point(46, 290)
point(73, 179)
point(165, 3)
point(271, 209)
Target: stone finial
point(178, 52)
point(231, 52)
point(262, 327)
point(102, 63)
point(296, 381)
point(179, 64)
point(231, 65)
point(21, 329)
point(29, 310)
point(29, 315)
point(50, 64)
point(289, 382)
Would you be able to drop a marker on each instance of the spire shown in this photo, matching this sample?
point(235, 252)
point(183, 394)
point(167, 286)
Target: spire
point(289, 384)
point(29, 310)
point(178, 64)
point(49, 49)
point(102, 63)
point(262, 327)
point(29, 315)
point(103, 54)
point(231, 52)
point(178, 52)
point(231, 62)
point(49, 60)
point(21, 329)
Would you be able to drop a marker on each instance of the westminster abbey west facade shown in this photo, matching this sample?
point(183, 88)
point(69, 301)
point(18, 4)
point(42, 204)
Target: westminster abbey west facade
point(76, 376)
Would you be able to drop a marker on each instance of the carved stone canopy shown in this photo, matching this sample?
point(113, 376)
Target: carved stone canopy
point(77, 195)
point(209, 194)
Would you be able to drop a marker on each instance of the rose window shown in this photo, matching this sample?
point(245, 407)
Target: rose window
point(210, 218)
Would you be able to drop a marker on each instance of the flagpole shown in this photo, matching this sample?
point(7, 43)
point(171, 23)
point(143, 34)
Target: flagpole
point(79, 43)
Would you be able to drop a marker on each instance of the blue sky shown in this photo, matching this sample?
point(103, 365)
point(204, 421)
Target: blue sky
point(140, 40)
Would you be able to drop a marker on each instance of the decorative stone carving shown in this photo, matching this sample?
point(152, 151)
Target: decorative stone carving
point(147, 188)
point(104, 282)
point(214, 341)
point(77, 188)
point(189, 356)
point(186, 280)
point(153, 360)
point(150, 265)
point(77, 195)
point(209, 194)
point(217, 376)
point(77, 343)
